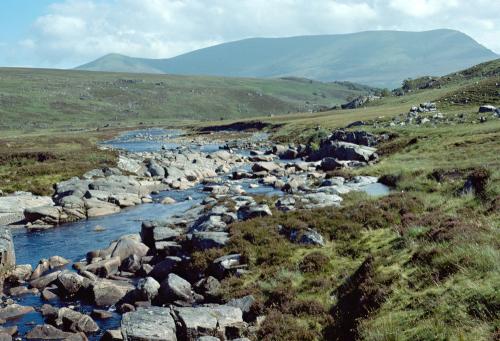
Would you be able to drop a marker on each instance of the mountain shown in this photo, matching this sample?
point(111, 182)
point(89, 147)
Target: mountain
point(377, 58)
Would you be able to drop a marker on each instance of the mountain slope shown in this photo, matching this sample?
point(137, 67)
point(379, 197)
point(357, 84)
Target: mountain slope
point(378, 58)
point(61, 98)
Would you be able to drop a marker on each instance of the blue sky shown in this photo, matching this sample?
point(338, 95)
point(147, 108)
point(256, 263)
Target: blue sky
point(67, 33)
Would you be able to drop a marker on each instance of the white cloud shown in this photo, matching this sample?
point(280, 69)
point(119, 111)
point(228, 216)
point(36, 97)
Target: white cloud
point(76, 31)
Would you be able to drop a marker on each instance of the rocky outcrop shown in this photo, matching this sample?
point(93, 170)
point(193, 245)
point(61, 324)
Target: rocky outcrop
point(7, 253)
point(154, 323)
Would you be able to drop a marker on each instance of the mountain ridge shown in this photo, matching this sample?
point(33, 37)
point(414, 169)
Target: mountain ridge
point(376, 58)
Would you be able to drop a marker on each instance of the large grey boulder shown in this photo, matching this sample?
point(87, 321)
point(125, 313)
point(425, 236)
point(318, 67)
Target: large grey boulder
point(14, 311)
point(70, 283)
point(487, 108)
point(155, 169)
point(127, 246)
point(176, 288)
point(268, 166)
point(97, 208)
point(12, 206)
point(149, 324)
point(108, 292)
point(105, 267)
point(45, 281)
point(152, 232)
point(45, 214)
point(206, 320)
point(48, 332)
point(162, 269)
point(357, 137)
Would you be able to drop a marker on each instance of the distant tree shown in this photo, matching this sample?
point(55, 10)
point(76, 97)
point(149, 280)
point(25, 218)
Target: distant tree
point(385, 92)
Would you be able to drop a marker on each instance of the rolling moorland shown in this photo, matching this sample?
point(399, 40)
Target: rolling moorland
point(379, 58)
point(419, 264)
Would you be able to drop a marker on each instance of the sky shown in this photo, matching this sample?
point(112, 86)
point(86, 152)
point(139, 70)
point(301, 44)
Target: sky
point(68, 33)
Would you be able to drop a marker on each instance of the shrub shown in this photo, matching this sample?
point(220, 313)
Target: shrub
point(313, 262)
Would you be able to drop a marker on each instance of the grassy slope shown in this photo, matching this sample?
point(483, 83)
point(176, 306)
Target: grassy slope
point(435, 273)
point(47, 99)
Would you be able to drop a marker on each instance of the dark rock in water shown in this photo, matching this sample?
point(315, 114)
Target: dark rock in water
point(101, 314)
point(105, 267)
point(49, 295)
point(48, 332)
point(14, 311)
point(112, 335)
point(20, 291)
point(253, 211)
point(77, 322)
point(154, 323)
point(176, 288)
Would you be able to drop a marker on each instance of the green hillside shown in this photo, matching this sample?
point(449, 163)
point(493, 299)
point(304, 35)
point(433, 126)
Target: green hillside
point(35, 98)
point(378, 58)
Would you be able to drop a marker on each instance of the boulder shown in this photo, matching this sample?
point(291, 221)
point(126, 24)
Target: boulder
point(244, 303)
point(156, 170)
point(209, 287)
point(148, 288)
point(20, 273)
point(105, 267)
point(253, 211)
point(109, 292)
point(14, 311)
point(57, 262)
point(176, 288)
point(208, 240)
point(356, 137)
point(149, 324)
point(50, 215)
point(70, 283)
point(265, 167)
point(126, 247)
point(487, 108)
point(162, 269)
point(48, 332)
point(308, 237)
point(168, 201)
point(97, 208)
point(199, 321)
point(45, 281)
point(329, 164)
point(77, 322)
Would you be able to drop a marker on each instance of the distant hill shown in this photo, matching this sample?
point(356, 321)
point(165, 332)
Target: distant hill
point(377, 58)
point(69, 98)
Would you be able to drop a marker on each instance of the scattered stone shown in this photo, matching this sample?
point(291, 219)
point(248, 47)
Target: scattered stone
point(154, 323)
point(176, 288)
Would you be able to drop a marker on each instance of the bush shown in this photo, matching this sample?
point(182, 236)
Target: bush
point(313, 262)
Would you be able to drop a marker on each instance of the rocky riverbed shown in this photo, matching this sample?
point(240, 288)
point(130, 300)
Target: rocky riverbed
point(106, 256)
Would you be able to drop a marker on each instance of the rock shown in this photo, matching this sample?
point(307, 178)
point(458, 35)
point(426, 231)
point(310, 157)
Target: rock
point(209, 223)
point(356, 137)
point(48, 332)
point(50, 215)
point(329, 164)
point(42, 267)
point(109, 292)
point(20, 273)
point(168, 201)
point(101, 314)
point(161, 270)
point(253, 211)
point(14, 311)
point(289, 154)
point(76, 321)
point(148, 288)
point(286, 204)
point(12, 206)
point(125, 199)
point(45, 281)
point(97, 208)
point(176, 288)
point(48, 295)
point(127, 246)
point(320, 199)
point(209, 287)
point(131, 264)
point(226, 264)
point(112, 335)
point(20, 291)
point(265, 167)
point(70, 283)
point(195, 322)
point(7, 252)
point(207, 338)
point(487, 108)
point(105, 267)
point(156, 170)
point(146, 324)
point(57, 262)
point(208, 240)
point(152, 232)
point(308, 237)
point(245, 304)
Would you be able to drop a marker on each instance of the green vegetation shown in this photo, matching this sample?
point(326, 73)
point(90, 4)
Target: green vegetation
point(419, 264)
point(377, 58)
point(36, 163)
point(33, 99)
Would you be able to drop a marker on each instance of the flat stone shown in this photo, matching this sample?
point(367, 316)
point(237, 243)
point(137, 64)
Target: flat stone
point(149, 324)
